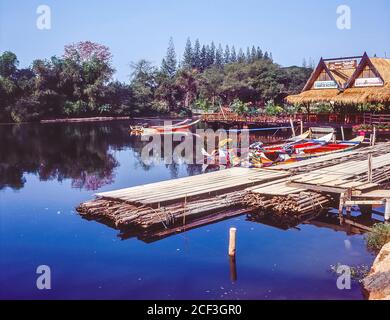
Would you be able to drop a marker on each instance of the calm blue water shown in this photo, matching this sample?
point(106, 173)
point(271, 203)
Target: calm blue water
point(47, 170)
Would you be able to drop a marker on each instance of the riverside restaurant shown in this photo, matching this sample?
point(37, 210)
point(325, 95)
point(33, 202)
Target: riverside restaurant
point(347, 81)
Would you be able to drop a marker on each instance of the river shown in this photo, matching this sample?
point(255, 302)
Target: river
point(47, 170)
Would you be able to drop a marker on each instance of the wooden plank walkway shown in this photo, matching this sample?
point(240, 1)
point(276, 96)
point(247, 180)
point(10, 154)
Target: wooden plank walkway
point(165, 192)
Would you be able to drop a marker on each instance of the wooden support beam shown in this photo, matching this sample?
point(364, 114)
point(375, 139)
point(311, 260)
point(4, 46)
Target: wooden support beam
point(364, 202)
point(316, 187)
point(387, 209)
point(370, 168)
point(292, 127)
point(232, 242)
point(342, 133)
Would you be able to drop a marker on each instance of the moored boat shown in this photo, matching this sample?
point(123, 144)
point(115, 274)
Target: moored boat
point(181, 127)
point(262, 160)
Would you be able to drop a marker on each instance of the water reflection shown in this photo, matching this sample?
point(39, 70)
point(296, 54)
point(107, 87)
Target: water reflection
point(83, 153)
point(58, 152)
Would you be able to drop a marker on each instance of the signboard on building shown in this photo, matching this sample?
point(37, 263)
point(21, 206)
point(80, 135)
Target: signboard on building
point(343, 64)
point(325, 85)
point(368, 82)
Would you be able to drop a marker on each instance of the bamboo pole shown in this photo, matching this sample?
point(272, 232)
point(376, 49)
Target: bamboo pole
point(370, 168)
point(342, 133)
point(387, 209)
point(232, 242)
point(292, 127)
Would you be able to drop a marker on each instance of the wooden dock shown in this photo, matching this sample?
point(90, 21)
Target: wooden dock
point(287, 192)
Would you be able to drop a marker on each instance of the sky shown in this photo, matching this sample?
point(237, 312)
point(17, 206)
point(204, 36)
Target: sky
point(140, 29)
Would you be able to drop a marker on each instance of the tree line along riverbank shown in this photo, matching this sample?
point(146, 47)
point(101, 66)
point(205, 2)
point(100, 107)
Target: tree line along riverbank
point(79, 83)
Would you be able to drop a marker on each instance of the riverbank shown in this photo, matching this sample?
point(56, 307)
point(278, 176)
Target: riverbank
point(95, 119)
point(377, 283)
point(91, 119)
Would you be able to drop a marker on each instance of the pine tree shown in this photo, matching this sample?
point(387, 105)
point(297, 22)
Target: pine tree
point(233, 55)
point(241, 56)
point(271, 57)
point(211, 54)
point(248, 55)
point(253, 53)
point(196, 55)
point(259, 53)
point(219, 56)
point(188, 58)
point(203, 58)
point(266, 56)
point(304, 63)
point(226, 55)
point(169, 63)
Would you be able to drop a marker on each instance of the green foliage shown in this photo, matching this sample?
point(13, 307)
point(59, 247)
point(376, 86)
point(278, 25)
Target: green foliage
point(204, 105)
point(169, 63)
point(79, 83)
point(322, 108)
point(75, 108)
point(8, 64)
point(240, 107)
point(378, 237)
point(272, 109)
point(371, 107)
point(161, 107)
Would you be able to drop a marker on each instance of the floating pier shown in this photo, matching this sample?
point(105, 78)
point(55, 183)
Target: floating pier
point(286, 192)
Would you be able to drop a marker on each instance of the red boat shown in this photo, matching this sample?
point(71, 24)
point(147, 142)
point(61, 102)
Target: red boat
point(262, 159)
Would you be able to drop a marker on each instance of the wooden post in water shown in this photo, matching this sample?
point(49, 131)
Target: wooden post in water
point(233, 269)
point(292, 127)
point(369, 168)
point(341, 207)
point(232, 242)
point(387, 210)
point(342, 133)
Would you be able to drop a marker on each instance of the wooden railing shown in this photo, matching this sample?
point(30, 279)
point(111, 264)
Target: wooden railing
point(370, 118)
point(305, 117)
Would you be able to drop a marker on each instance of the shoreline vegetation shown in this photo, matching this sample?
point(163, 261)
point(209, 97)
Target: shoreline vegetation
point(79, 84)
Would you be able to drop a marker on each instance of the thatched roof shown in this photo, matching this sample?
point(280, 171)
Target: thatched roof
point(313, 96)
point(350, 95)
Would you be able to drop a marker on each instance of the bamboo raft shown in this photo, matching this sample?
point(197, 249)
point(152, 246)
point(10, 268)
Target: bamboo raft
point(286, 192)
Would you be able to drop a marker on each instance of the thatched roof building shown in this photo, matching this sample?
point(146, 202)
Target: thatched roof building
point(352, 80)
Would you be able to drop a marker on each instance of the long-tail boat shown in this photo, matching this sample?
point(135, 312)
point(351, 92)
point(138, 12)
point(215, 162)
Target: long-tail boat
point(181, 127)
point(298, 144)
point(299, 154)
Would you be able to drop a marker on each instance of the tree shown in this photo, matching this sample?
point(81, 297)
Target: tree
point(188, 83)
point(86, 51)
point(196, 55)
point(241, 56)
point(233, 55)
point(219, 60)
point(8, 64)
point(143, 84)
point(253, 54)
point(259, 53)
point(210, 55)
point(210, 84)
point(188, 56)
point(203, 58)
point(169, 63)
point(248, 55)
point(226, 55)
